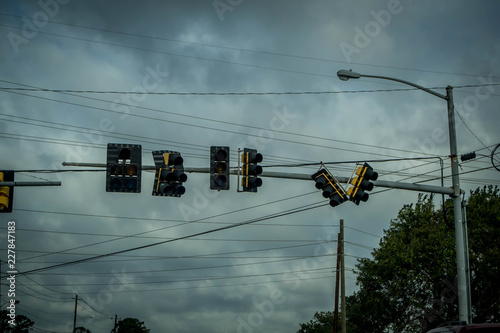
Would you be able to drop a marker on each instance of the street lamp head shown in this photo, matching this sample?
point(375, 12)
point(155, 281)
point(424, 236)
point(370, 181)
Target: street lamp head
point(345, 75)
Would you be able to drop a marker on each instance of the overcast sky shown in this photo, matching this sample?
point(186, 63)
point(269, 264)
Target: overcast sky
point(270, 275)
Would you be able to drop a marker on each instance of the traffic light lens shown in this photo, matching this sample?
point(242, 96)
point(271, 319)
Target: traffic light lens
point(321, 182)
point(116, 169)
point(180, 190)
point(131, 170)
point(220, 180)
point(254, 169)
point(255, 182)
point(131, 183)
point(115, 184)
point(335, 200)
point(175, 160)
point(182, 177)
point(221, 167)
point(257, 158)
point(221, 155)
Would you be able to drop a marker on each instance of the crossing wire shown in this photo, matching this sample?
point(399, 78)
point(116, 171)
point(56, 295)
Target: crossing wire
point(234, 132)
point(281, 214)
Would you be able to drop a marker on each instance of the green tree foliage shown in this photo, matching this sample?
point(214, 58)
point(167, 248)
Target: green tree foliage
point(82, 329)
point(131, 325)
point(23, 323)
point(321, 323)
point(409, 285)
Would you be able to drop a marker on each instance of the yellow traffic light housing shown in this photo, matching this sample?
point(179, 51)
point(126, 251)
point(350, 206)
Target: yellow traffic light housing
point(330, 186)
point(250, 170)
point(6, 192)
point(362, 183)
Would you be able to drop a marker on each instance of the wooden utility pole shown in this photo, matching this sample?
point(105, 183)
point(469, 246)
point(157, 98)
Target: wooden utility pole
point(342, 278)
point(336, 311)
point(74, 318)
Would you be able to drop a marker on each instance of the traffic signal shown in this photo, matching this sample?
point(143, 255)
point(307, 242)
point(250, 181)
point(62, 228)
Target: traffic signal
point(330, 186)
point(169, 174)
point(362, 183)
point(6, 192)
point(123, 168)
point(251, 170)
point(219, 168)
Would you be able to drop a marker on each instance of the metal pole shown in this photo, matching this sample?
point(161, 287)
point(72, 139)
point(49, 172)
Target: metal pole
point(467, 263)
point(47, 183)
point(342, 278)
point(298, 176)
point(463, 299)
point(464, 306)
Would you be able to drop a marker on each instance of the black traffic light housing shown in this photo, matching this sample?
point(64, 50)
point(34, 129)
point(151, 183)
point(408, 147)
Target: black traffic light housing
point(123, 168)
point(169, 174)
point(250, 170)
point(219, 168)
point(361, 183)
point(330, 186)
point(6, 192)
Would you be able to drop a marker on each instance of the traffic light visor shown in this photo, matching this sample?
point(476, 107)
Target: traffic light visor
point(124, 154)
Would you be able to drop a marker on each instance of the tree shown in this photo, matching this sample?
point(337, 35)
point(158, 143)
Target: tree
point(321, 323)
point(131, 325)
point(81, 329)
point(409, 284)
point(23, 323)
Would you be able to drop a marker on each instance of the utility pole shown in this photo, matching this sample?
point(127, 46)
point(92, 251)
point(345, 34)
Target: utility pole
point(336, 311)
point(461, 246)
point(114, 328)
point(342, 278)
point(74, 318)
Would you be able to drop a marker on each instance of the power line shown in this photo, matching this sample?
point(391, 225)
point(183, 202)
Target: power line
point(281, 214)
point(206, 127)
point(197, 279)
point(262, 93)
point(177, 225)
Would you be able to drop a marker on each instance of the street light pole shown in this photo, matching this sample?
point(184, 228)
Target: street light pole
point(464, 303)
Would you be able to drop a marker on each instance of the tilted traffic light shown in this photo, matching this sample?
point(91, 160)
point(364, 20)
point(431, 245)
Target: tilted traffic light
point(330, 186)
point(123, 168)
point(250, 170)
point(362, 183)
point(169, 174)
point(6, 192)
point(219, 168)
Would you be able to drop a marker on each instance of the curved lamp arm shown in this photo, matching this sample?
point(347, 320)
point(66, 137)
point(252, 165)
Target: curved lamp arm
point(345, 75)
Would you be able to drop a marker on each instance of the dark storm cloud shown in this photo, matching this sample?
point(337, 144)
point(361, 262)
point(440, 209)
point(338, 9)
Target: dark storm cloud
point(226, 46)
